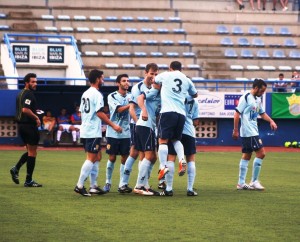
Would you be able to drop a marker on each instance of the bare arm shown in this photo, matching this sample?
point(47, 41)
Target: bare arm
point(103, 117)
point(236, 120)
point(132, 112)
point(267, 118)
point(122, 109)
point(31, 115)
point(141, 103)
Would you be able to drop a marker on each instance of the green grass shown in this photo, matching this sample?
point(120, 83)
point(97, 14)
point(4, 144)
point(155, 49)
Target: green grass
point(219, 213)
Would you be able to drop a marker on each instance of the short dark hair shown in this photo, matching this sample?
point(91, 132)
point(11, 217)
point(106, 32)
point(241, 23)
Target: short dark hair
point(94, 74)
point(28, 76)
point(176, 66)
point(119, 77)
point(152, 66)
point(258, 82)
point(280, 74)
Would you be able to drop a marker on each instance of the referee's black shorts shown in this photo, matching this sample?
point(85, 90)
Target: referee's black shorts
point(29, 134)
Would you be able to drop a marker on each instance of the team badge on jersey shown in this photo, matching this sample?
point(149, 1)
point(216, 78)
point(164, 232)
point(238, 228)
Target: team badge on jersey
point(27, 101)
point(108, 147)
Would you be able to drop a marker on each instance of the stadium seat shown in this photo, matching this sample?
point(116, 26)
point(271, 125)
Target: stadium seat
point(241, 79)
point(63, 17)
point(252, 68)
point(243, 42)
point(285, 68)
point(83, 29)
point(115, 30)
point(111, 18)
point(236, 67)
point(163, 66)
point(222, 29)
point(111, 65)
point(143, 19)
point(279, 54)
point(107, 53)
point(184, 42)
point(124, 54)
point(294, 54)
point(193, 66)
point(237, 30)
point(188, 54)
point(167, 42)
point(174, 19)
point(95, 18)
point(142, 66)
point(128, 66)
point(162, 30)
point(158, 19)
point(253, 30)
point(50, 28)
point(99, 30)
point(246, 53)
point(290, 43)
point(119, 42)
point(127, 18)
point(226, 41)
point(269, 68)
point(79, 18)
point(147, 30)
point(151, 42)
point(66, 29)
point(140, 54)
point(285, 31)
point(91, 53)
point(258, 42)
point(156, 54)
point(135, 42)
point(179, 31)
point(47, 17)
point(195, 79)
point(3, 15)
point(263, 54)
point(269, 31)
point(103, 41)
point(230, 53)
point(131, 30)
point(172, 54)
point(87, 41)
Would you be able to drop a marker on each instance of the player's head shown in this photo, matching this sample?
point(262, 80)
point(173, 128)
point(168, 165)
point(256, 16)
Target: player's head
point(30, 81)
point(151, 71)
point(96, 75)
point(281, 76)
point(123, 81)
point(259, 87)
point(175, 66)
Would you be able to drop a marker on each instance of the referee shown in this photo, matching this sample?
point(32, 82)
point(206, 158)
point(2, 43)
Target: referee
point(28, 123)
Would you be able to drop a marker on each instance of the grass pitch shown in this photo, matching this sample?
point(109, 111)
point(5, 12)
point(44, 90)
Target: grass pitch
point(219, 213)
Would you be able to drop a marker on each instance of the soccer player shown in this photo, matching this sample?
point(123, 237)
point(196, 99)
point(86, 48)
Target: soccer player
point(248, 109)
point(189, 143)
point(28, 123)
point(118, 143)
point(175, 86)
point(91, 108)
point(151, 71)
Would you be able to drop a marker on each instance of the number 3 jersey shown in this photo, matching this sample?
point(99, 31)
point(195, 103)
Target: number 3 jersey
point(115, 100)
point(175, 86)
point(91, 102)
point(249, 108)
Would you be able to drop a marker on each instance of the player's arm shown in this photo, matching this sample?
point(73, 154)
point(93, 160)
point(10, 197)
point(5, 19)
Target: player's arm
point(132, 112)
point(31, 115)
point(267, 118)
point(105, 119)
point(121, 109)
point(236, 120)
point(141, 102)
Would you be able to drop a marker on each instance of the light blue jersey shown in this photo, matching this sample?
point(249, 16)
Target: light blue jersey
point(91, 103)
point(175, 86)
point(152, 104)
point(192, 112)
point(116, 100)
point(136, 90)
point(249, 108)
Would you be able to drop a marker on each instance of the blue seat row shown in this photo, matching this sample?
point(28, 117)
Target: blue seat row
point(252, 30)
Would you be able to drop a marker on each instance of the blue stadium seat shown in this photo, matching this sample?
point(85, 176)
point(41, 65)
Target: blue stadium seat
point(246, 53)
point(279, 54)
point(158, 19)
point(290, 43)
point(119, 41)
point(79, 17)
point(230, 53)
point(257, 42)
point(188, 54)
point(162, 30)
point(285, 31)
point(253, 30)
point(237, 30)
point(151, 42)
point(243, 42)
point(156, 54)
point(263, 54)
point(135, 42)
point(222, 29)
point(269, 31)
point(147, 30)
point(124, 54)
point(179, 31)
point(111, 18)
point(115, 30)
point(140, 54)
point(172, 54)
point(127, 18)
point(143, 19)
point(294, 54)
point(167, 42)
point(131, 30)
point(226, 41)
point(184, 42)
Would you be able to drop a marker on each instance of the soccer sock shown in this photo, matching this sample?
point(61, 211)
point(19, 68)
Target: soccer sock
point(149, 174)
point(170, 176)
point(22, 161)
point(127, 170)
point(109, 170)
point(30, 168)
point(137, 179)
point(179, 149)
point(121, 173)
point(243, 171)
point(163, 155)
point(58, 135)
point(94, 174)
point(191, 172)
point(84, 173)
point(256, 168)
point(74, 135)
point(143, 172)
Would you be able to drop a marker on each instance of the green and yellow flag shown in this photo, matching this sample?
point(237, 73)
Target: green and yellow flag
point(286, 105)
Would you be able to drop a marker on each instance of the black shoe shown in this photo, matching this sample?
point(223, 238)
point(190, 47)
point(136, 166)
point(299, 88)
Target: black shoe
point(82, 191)
point(166, 193)
point(96, 191)
point(242, 6)
point(191, 193)
point(14, 175)
point(32, 184)
point(162, 185)
point(155, 193)
point(124, 189)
